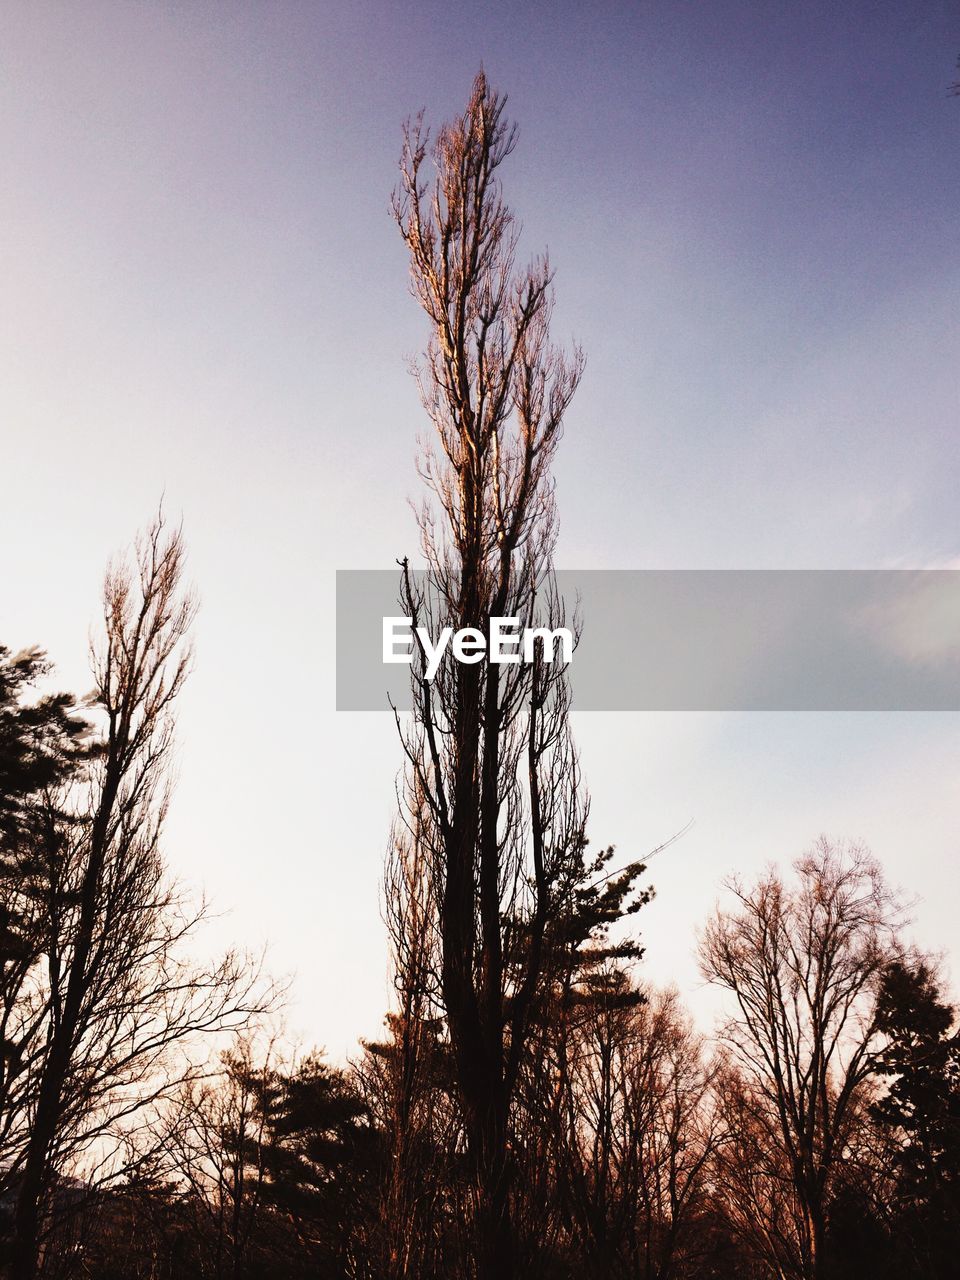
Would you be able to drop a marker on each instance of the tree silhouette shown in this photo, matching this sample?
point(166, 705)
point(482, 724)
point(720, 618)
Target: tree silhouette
point(493, 774)
point(803, 965)
point(109, 1004)
point(921, 1064)
point(43, 743)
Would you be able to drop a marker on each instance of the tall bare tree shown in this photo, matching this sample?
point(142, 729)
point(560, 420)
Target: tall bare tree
point(803, 965)
point(490, 755)
point(105, 1013)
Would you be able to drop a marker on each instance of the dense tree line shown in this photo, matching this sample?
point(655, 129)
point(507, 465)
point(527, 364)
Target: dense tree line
point(534, 1107)
point(817, 1135)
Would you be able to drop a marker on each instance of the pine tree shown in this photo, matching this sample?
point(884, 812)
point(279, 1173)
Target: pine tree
point(43, 744)
point(921, 1061)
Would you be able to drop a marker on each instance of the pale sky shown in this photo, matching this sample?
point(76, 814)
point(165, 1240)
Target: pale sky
point(752, 210)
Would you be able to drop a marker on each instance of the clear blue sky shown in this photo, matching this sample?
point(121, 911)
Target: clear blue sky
point(752, 209)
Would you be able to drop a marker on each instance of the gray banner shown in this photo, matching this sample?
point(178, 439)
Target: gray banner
point(703, 640)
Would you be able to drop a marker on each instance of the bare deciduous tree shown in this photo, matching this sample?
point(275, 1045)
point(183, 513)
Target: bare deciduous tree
point(109, 1009)
point(216, 1153)
point(491, 760)
point(405, 1079)
point(636, 1136)
point(803, 966)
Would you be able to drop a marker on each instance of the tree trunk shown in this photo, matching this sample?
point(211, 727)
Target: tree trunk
point(26, 1227)
point(495, 1244)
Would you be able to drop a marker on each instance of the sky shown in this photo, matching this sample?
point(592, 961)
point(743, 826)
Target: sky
point(751, 209)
